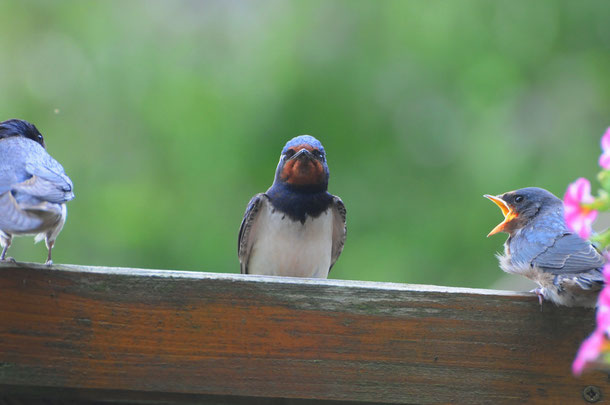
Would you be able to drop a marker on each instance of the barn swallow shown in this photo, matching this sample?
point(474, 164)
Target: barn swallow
point(34, 188)
point(296, 228)
point(542, 248)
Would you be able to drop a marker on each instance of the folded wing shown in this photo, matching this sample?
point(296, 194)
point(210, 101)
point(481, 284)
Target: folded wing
point(247, 230)
point(32, 186)
point(339, 229)
point(569, 254)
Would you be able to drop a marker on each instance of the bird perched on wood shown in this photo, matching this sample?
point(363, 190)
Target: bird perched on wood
point(296, 228)
point(542, 248)
point(34, 188)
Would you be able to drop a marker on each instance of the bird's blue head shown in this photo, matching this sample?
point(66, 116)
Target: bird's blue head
point(521, 206)
point(15, 127)
point(303, 165)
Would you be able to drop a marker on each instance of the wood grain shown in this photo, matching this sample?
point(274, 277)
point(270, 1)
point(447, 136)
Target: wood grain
point(152, 333)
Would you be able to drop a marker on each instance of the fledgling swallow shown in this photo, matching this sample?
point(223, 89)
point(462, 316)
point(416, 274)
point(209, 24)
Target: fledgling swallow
point(34, 188)
point(296, 228)
point(542, 248)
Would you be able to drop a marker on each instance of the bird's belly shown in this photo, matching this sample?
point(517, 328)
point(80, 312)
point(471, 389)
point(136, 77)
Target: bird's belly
point(26, 219)
point(289, 248)
point(563, 291)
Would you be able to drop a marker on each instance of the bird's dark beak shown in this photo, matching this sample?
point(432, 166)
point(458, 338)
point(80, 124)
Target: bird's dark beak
point(508, 212)
point(302, 154)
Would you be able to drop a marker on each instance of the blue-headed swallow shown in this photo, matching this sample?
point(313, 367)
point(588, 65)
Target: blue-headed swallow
point(542, 248)
point(34, 188)
point(296, 228)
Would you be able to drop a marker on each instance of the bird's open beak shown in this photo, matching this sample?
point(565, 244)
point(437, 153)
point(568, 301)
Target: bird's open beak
point(302, 154)
point(508, 212)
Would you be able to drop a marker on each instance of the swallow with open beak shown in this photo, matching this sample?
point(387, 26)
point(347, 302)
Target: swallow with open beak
point(34, 188)
point(296, 228)
point(540, 247)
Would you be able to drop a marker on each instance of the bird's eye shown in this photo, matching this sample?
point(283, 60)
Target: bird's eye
point(290, 153)
point(518, 198)
point(318, 153)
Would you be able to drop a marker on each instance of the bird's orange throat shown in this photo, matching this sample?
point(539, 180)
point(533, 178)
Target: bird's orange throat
point(510, 215)
point(301, 172)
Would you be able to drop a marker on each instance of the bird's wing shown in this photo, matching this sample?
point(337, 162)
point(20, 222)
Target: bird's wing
point(32, 172)
point(247, 230)
point(41, 190)
point(21, 159)
point(48, 182)
point(339, 229)
point(569, 254)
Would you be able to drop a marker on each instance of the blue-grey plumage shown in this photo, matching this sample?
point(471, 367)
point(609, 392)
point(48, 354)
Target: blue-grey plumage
point(296, 228)
point(34, 188)
point(542, 248)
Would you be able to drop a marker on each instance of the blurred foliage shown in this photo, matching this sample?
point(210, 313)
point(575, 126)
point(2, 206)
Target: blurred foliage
point(170, 115)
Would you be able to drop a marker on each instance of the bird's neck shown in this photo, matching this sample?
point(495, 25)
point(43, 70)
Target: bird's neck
point(550, 216)
point(299, 203)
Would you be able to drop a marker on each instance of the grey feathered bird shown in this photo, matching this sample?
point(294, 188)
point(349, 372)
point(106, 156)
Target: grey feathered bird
point(542, 248)
point(296, 228)
point(33, 187)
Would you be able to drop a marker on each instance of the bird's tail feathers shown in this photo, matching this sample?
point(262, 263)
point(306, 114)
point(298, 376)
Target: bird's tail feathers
point(39, 237)
point(591, 280)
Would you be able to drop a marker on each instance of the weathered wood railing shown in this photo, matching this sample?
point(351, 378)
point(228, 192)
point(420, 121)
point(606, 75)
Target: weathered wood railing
point(74, 332)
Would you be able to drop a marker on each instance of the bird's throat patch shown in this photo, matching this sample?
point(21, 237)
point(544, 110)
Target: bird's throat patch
point(301, 172)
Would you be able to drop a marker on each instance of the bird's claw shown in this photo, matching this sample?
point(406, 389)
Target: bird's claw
point(8, 260)
point(49, 262)
point(540, 293)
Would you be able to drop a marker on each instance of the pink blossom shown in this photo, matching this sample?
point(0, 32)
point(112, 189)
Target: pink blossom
point(603, 300)
point(595, 345)
point(604, 159)
point(578, 218)
point(602, 316)
point(588, 353)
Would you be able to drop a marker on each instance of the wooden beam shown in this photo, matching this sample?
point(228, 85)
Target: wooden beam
point(111, 333)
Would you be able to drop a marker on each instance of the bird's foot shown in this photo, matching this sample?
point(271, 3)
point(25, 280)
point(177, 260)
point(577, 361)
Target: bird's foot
point(541, 295)
point(49, 262)
point(8, 260)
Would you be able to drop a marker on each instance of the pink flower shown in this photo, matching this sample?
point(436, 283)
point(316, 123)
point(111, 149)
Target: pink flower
point(588, 353)
point(602, 316)
point(578, 218)
point(604, 159)
point(603, 301)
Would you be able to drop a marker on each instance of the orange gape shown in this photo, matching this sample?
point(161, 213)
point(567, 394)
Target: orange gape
point(508, 212)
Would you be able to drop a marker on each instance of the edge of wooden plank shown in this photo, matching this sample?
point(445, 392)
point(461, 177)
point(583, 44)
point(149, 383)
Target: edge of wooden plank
point(201, 275)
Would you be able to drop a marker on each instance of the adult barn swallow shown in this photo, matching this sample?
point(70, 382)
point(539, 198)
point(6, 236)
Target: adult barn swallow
point(296, 228)
point(542, 248)
point(34, 188)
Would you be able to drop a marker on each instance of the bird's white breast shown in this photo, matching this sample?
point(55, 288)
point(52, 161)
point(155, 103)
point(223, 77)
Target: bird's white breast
point(284, 247)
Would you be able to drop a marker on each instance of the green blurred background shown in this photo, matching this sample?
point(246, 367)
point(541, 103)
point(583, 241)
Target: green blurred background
point(169, 115)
